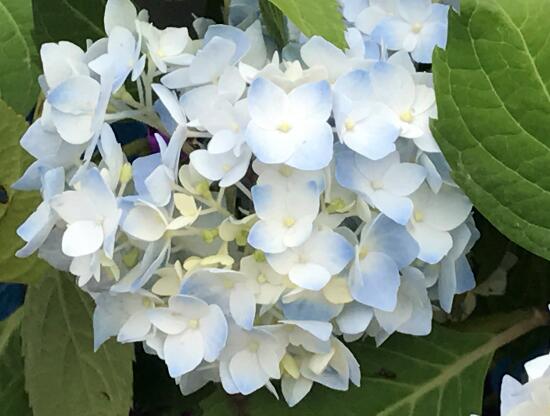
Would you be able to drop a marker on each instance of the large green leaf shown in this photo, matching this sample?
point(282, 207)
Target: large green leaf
point(13, 398)
point(438, 375)
point(316, 17)
point(18, 56)
point(72, 20)
point(63, 374)
point(275, 22)
point(492, 85)
point(15, 207)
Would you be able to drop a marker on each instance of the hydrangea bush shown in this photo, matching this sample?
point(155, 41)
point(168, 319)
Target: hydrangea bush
point(292, 200)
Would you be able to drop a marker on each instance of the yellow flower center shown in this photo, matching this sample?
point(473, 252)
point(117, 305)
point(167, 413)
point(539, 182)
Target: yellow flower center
point(416, 28)
point(376, 185)
point(418, 216)
point(193, 323)
point(349, 124)
point(284, 127)
point(289, 222)
point(407, 117)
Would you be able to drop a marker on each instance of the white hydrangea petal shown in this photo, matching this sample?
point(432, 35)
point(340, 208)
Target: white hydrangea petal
point(448, 209)
point(246, 372)
point(433, 34)
point(135, 328)
point(330, 250)
point(295, 390)
point(74, 129)
point(394, 86)
point(318, 52)
point(171, 103)
point(319, 329)
point(404, 178)
point(82, 238)
point(268, 237)
point(368, 19)
point(267, 103)
point(392, 32)
point(309, 276)
point(242, 304)
point(298, 233)
point(311, 101)
point(35, 229)
point(119, 13)
point(167, 321)
point(414, 11)
point(355, 318)
point(241, 42)
point(160, 186)
point(144, 223)
point(214, 330)
point(269, 146)
point(315, 150)
point(73, 206)
point(397, 208)
point(211, 61)
point(183, 353)
point(231, 86)
point(269, 359)
point(538, 367)
point(434, 244)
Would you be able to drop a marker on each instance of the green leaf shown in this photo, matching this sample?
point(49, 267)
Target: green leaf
point(18, 55)
point(15, 206)
point(275, 22)
point(316, 17)
point(13, 398)
point(71, 20)
point(493, 95)
point(156, 394)
point(438, 375)
point(63, 374)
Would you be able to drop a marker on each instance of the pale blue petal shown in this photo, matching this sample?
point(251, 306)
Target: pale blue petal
point(392, 239)
point(214, 331)
point(237, 36)
point(374, 281)
point(355, 318)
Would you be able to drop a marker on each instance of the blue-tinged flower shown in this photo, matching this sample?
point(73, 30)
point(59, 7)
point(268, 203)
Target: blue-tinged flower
point(250, 360)
point(226, 168)
point(50, 150)
point(36, 229)
point(285, 218)
point(415, 26)
point(364, 123)
point(290, 128)
point(233, 291)
point(384, 249)
point(385, 184)
point(92, 216)
point(195, 331)
point(434, 216)
point(122, 57)
point(413, 312)
point(155, 175)
point(311, 265)
point(124, 315)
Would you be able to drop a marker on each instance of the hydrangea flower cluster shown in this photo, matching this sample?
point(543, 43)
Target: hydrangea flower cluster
point(297, 197)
